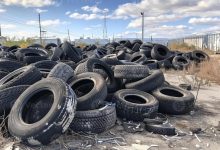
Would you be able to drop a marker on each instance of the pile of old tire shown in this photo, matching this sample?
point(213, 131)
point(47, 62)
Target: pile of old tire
point(152, 54)
point(46, 91)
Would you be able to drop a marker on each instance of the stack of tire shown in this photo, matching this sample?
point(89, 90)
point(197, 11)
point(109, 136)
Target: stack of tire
point(48, 90)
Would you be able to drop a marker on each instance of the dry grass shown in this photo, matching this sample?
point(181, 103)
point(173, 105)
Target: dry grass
point(187, 48)
point(207, 71)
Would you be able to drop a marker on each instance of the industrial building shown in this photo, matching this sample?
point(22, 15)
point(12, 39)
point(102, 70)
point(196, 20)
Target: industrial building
point(207, 41)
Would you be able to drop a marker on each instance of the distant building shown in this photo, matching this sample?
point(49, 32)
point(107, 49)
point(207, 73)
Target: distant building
point(89, 41)
point(48, 40)
point(2, 39)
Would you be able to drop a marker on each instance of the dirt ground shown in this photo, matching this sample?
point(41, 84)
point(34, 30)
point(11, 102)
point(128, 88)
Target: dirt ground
point(205, 116)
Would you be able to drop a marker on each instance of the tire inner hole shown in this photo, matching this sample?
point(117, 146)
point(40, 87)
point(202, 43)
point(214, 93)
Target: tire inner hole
point(171, 92)
point(136, 58)
point(135, 99)
point(182, 60)
point(162, 51)
point(32, 54)
point(82, 87)
point(200, 55)
point(37, 107)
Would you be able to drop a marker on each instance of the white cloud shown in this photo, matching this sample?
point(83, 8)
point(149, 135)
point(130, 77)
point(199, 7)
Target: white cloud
point(68, 12)
point(46, 23)
point(2, 10)
point(7, 26)
point(29, 3)
point(150, 21)
point(93, 27)
point(94, 9)
point(204, 20)
point(86, 16)
point(40, 10)
point(88, 28)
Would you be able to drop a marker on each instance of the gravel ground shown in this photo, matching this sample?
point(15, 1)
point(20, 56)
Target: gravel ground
point(206, 116)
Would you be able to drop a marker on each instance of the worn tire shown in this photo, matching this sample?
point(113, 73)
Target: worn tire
point(149, 83)
point(73, 53)
point(138, 58)
point(24, 76)
point(8, 97)
point(91, 64)
point(9, 65)
point(53, 122)
point(160, 52)
point(173, 100)
point(135, 105)
point(199, 56)
point(95, 121)
point(180, 62)
point(131, 71)
point(61, 71)
point(90, 89)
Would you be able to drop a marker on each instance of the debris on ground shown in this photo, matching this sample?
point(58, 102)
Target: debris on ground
point(47, 92)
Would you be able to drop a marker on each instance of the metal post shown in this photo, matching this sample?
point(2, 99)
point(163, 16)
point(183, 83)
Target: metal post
point(142, 14)
point(69, 35)
point(40, 29)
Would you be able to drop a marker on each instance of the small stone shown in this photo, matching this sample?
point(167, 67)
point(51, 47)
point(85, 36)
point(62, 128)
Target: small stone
point(198, 146)
point(138, 141)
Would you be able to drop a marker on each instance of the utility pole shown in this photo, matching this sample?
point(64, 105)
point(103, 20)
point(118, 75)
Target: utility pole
point(40, 28)
point(105, 27)
point(0, 30)
point(69, 35)
point(142, 14)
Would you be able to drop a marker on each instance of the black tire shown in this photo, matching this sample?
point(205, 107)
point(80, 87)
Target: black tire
point(50, 45)
point(35, 46)
point(8, 55)
point(152, 64)
point(61, 71)
point(8, 97)
point(163, 129)
point(72, 64)
point(138, 58)
point(180, 62)
point(135, 105)
point(28, 52)
point(160, 52)
point(58, 113)
point(137, 41)
point(12, 48)
point(173, 100)
point(111, 60)
point(136, 47)
point(131, 71)
point(73, 53)
point(166, 64)
point(45, 66)
point(199, 56)
point(92, 64)
point(95, 121)
point(149, 83)
point(57, 54)
point(3, 74)
point(33, 59)
point(24, 76)
point(9, 65)
point(90, 89)
point(125, 43)
point(121, 55)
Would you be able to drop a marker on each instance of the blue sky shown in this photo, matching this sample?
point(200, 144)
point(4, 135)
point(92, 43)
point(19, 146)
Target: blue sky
point(163, 18)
